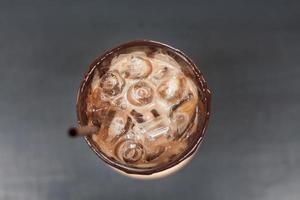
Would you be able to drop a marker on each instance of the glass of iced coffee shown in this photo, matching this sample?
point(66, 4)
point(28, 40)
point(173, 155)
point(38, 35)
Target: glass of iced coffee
point(143, 108)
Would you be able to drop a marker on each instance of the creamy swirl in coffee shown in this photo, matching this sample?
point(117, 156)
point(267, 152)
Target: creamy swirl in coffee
point(147, 108)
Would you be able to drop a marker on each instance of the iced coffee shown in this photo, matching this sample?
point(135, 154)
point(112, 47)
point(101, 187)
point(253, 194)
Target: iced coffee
point(150, 104)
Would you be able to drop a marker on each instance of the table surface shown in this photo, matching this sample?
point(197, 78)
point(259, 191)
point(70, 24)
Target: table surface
point(247, 50)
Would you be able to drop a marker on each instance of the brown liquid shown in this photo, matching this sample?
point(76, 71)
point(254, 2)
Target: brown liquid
point(147, 107)
point(152, 106)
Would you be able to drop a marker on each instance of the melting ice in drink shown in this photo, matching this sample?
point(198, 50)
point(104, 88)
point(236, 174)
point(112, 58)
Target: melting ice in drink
point(147, 107)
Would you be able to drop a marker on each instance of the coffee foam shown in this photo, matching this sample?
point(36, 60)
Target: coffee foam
point(147, 107)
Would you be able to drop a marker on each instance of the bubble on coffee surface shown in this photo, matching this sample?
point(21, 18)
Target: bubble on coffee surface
point(147, 108)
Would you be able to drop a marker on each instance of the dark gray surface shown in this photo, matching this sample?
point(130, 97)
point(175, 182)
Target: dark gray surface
point(247, 50)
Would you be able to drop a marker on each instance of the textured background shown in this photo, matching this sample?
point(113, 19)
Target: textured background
point(247, 50)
